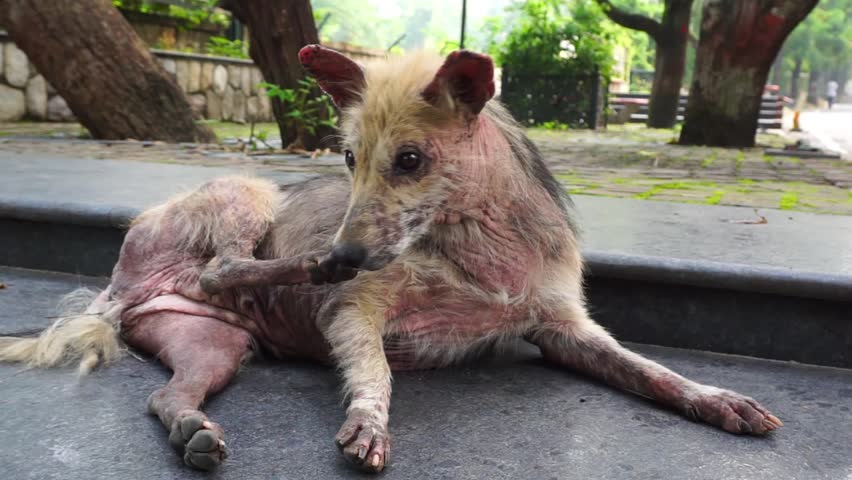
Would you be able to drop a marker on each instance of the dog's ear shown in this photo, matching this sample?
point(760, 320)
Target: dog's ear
point(464, 83)
point(336, 73)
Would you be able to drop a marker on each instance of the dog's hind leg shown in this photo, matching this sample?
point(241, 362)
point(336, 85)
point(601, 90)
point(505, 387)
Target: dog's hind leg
point(204, 354)
point(223, 220)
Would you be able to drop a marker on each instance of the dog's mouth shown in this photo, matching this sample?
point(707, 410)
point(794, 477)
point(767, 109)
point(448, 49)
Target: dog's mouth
point(376, 262)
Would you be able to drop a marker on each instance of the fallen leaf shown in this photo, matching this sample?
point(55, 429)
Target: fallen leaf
point(760, 220)
point(2, 285)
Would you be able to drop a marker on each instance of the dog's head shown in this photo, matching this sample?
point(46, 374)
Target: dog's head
point(414, 144)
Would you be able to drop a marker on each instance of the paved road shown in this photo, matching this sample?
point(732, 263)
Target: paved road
point(833, 128)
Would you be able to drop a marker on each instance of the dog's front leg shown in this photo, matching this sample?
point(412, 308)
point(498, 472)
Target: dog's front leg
point(356, 342)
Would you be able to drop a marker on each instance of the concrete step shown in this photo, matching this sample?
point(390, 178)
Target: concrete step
point(680, 275)
point(512, 417)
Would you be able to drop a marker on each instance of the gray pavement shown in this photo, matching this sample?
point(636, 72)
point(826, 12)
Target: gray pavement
point(789, 240)
point(508, 418)
point(831, 128)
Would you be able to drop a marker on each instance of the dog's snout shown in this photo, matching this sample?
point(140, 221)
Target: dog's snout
point(348, 254)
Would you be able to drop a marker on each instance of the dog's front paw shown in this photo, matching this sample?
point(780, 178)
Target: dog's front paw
point(364, 441)
point(731, 411)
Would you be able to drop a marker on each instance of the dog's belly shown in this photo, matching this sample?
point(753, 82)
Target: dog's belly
point(281, 320)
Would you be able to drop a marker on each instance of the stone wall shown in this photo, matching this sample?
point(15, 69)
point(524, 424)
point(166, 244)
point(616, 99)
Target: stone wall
point(218, 88)
point(23, 92)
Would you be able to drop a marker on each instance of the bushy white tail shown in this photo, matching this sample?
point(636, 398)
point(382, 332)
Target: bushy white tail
point(87, 330)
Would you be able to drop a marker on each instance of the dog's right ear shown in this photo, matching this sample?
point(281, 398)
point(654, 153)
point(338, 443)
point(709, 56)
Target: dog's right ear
point(336, 74)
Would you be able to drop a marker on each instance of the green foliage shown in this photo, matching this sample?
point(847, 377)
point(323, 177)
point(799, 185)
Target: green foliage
point(822, 42)
point(377, 24)
point(307, 108)
point(226, 48)
point(195, 13)
point(639, 44)
point(549, 37)
point(642, 48)
point(554, 126)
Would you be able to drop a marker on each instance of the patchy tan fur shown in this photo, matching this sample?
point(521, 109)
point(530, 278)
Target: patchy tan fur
point(86, 331)
point(198, 214)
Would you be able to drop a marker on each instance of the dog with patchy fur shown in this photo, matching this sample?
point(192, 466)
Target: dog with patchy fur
point(449, 236)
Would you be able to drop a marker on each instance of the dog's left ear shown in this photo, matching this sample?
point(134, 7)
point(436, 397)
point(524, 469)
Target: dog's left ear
point(464, 83)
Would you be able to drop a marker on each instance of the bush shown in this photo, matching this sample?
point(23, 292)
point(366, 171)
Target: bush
point(307, 109)
point(556, 61)
point(552, 39)
point(193, 12)
point(226, 48)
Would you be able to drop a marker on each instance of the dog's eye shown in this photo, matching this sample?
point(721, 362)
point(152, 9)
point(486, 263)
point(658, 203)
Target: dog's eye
point(407, 161)
point(350, 160)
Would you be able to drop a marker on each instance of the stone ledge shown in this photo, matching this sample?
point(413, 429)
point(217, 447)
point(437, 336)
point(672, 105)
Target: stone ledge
point(201, 57)
point(718, 275)
point(676, 271)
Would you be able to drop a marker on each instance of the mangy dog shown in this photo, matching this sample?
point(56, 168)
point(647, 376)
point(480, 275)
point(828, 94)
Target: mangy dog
point(459, 236)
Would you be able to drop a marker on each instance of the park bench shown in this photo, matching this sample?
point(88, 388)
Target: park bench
point(636, 104)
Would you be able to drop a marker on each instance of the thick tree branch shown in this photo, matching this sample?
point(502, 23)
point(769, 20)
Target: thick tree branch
point(632, 21)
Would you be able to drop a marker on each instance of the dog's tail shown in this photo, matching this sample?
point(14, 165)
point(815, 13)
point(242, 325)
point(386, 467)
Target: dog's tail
point(87, 330)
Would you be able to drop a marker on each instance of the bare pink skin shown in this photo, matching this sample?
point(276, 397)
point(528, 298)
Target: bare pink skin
point(498, 234)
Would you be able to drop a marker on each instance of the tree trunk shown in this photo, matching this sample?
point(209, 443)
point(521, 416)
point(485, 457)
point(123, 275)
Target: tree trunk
point(794, 78)
point(669, 64)
point(814, 83)
point(97, 63)
point(739, 41)
point(671, 37)
point(278, 29)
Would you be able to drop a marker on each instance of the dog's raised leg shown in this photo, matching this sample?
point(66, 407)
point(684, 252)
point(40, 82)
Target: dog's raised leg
point(204, 355)
point(226, 217)
point(577, 342)
point(307, 268)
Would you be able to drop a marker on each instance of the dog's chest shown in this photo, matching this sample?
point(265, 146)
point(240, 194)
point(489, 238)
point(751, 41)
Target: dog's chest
point(440, 327)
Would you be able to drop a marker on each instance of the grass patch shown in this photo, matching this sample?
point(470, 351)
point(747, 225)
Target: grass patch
point(239, 130)
point(746, 181)
point(738, 163)
point(648, 193)
point(789, 200)
point(715, 198)
point(682, 185)
point(709, 160)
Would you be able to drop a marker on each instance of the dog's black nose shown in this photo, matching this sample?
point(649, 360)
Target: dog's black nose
point(348, 254)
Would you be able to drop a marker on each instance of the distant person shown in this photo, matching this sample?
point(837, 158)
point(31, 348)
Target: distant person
point(831, 93)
